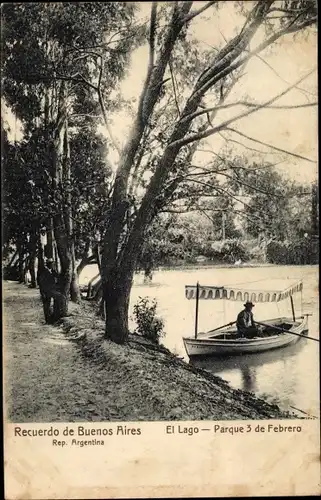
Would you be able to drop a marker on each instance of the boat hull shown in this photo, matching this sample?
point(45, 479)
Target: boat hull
point(208, 345)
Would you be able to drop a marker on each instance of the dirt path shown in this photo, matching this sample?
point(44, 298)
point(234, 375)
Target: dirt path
point(49, 378)
point(46, 378)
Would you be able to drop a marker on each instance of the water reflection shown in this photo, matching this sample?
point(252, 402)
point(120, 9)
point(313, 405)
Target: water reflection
point(246, 367)
point(219, 364)
point(249, 378)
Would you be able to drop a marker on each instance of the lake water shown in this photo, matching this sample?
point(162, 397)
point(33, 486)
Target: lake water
point(287, 376)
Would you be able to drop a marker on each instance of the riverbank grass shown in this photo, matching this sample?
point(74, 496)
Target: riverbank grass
point(153, 378)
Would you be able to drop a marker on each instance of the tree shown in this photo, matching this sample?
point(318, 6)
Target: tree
point(58, 60)
point(170, 166)
point(24, 215)
point(91, 183)
point(276, 206)
point(173, 239)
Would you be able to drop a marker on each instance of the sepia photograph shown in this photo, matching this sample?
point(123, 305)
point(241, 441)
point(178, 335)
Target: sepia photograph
point(160, 220)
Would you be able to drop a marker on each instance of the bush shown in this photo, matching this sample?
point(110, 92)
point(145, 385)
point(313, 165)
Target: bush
point(298, 252)
point(257, 254)
point(148, 324)
point(11, 273)
point(303, 251)
point(228, 251)
point(277, 252)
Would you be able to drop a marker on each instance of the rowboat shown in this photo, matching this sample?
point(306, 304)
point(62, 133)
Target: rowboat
point(219, 364)
point(227, 341)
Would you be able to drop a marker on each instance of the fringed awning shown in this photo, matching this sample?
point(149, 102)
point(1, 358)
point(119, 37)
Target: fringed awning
point(242, 294)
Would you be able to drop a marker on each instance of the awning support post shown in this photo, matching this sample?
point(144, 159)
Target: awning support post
point(292, 306)
point(196, 308)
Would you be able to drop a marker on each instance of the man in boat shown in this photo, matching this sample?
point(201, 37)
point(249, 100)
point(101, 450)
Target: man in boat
point(245, 321)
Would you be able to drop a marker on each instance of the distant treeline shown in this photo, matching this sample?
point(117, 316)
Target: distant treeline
point(298, 252)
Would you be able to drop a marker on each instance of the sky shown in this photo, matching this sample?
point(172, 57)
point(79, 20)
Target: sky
point(294, 130)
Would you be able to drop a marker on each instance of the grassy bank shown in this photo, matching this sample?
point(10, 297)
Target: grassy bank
point(151, 383)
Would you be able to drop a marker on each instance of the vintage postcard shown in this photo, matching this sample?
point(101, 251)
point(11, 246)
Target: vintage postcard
point(160, 249)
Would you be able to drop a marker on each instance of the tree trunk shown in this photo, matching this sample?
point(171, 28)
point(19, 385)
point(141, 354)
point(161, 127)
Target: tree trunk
point(85, 259)
point(40, 252)
point(61, 298)
point(81, 266)
point(85, 262)
point(92, 289)
point(32, 258)
point(148, 274)
point(49, 248)
point(74, 289)
point(101, 310)
point(62, 221)
point(13, 258)
point(32, 270)
point(65, 257)
point(116, 290)
point(21, 261)
point(98, 255)
point(75, 295)
point(25, 270)
point(116, 294)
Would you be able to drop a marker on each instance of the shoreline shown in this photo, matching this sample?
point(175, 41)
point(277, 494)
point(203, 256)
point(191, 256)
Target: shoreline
point(219, 401)
point(205, 265)
point(196, 267)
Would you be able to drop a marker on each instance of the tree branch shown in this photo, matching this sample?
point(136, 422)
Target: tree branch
point(270, 146)
point(224, 125)
point(237, 180)
point(279, 76)
point(244, 145)
point(152, 33)
point(174, 87)
point(248, 105)
point(242, 183)
point(86, 54)
point(221, 190)
point(103, 108)
point(227, 70)
point(222, 62)
point(288, 11)
point(199, 11)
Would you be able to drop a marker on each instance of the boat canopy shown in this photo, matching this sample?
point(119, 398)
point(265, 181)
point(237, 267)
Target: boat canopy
point(271, 292)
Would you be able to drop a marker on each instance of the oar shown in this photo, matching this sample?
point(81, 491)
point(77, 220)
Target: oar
point(286, 331)
point(223, 326)
point(305, 413)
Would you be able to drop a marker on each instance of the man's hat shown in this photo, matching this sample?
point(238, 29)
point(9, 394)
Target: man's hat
point(249, 304)
point(49, 261)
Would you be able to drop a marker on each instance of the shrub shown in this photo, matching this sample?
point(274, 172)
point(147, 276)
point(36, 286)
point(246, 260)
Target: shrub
point(228, 251)
point(11, 273)
point(297, 252)
point(277, 252)
point(257, 254)
point(303, 251)
point(148, 324)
